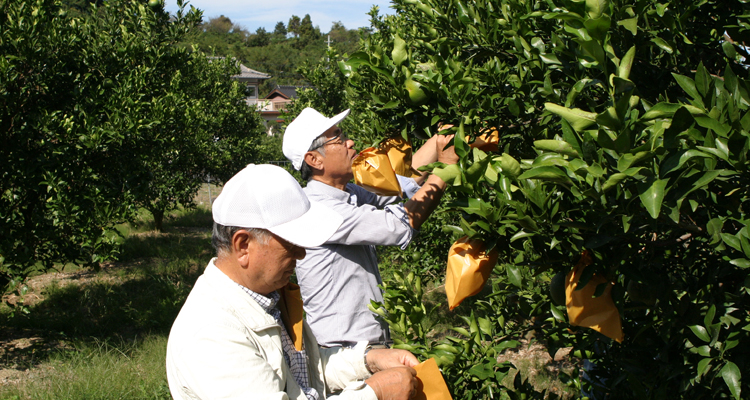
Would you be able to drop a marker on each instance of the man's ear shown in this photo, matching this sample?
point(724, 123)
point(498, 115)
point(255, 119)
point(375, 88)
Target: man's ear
point(314, 160)
point(242, 244)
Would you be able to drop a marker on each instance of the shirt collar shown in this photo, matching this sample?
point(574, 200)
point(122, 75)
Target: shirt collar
point(322, 188)
point(267, 303)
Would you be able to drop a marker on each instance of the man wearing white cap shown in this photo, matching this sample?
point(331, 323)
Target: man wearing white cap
point(339, 278)
point(239, 334)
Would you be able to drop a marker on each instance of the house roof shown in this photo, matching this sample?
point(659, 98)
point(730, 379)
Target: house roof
point(286, 91)
point(246, 72)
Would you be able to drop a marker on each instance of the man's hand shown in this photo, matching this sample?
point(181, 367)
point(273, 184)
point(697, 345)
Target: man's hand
point(382, 359)
point(446, 156)
point(399, 383)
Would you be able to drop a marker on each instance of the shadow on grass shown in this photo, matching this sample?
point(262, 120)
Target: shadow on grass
point(137, 296)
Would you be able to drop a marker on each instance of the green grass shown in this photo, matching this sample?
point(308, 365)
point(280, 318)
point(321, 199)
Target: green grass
point(105, 336)
point(99, 370)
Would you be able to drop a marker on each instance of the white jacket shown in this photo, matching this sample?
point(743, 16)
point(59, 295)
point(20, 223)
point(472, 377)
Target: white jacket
point(223, 345)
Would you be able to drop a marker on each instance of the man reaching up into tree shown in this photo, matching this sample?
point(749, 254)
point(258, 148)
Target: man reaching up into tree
point(239, 334)
point(339, 278)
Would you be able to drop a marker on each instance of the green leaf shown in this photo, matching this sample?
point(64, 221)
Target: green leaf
point(509, 166)
point(609, 119)
point(569, 135)
point(598, 27)
point(520, 235)
point(729, 50)
point(594, 49)
point(700, 332)
point(549, 58)
point(678, 160)
point(399, 53)
point(702, 79)
point(732, 378)
point(515, 276)
point(688, 85)
point(631, 24)
point(653, 196)
point(628, 161)
point(595, 8)
point(556, 313)
point(623, 71)
point(550, 173)
point(661, 110)
point(557, 146)
point(710, 123)
point(577, 118)
point(708, 319)
point(450, 174)
point(662, 44)
point(732, 241)
point(482, 371)
point(613, 180)
point(703, 366)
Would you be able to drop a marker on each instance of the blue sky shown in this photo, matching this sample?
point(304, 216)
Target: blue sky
point(252, 14)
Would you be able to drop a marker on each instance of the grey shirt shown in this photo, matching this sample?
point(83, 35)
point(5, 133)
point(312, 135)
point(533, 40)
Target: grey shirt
point(339, 278)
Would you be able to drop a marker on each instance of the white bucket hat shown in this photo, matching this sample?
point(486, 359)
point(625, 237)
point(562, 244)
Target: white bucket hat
point(300, 134)
point(268, 197)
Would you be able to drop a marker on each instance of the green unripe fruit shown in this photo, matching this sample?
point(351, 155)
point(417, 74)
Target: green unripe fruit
point(417, 95)
point(154, 4)
point(557, 288)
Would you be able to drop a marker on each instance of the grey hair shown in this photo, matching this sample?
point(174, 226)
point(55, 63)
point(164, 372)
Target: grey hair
point(221, 239)
point(317, 144)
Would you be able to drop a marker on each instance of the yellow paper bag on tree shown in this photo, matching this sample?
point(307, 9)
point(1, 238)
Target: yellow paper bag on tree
point(399, 153)
point(597, 313)
point(469, 267)
point(433, 385)
point(487, 140)
point(372, 170)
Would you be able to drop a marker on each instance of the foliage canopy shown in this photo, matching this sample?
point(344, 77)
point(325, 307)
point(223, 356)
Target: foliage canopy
point(103, 113)
point(624, 133)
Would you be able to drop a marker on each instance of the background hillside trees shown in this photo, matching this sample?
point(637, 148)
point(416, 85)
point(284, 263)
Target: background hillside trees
point(274, 53)
point(103, 113)
point(623, 134)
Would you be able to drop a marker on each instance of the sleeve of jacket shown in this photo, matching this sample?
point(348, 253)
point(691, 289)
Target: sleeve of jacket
point(221, 363)
point(345, 372)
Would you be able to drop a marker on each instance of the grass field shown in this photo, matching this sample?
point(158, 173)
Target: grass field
point(102, 335)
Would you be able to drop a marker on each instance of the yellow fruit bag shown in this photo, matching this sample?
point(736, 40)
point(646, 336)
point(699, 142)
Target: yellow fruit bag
point(487, 140)
point(399, 154)
point(469, 267)
point(372, 170)
point(597, 313)
point(292, 313)
point(433, 385)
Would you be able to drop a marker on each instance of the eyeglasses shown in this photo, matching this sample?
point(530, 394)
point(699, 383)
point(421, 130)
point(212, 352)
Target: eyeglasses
point(338, 139)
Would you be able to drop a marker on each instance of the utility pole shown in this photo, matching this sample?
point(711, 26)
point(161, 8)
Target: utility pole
point(329, 48)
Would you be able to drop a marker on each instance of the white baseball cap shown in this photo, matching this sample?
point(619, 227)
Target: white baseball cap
point(300, 134)
point(268, 197)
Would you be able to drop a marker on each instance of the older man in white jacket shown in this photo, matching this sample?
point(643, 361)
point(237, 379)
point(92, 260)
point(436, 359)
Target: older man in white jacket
point(236, 336)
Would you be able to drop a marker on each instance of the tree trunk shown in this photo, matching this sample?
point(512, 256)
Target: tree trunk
point(158, 219)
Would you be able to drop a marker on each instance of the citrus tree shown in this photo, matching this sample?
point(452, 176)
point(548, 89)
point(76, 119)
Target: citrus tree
point(623, 135)
point(101, 113)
